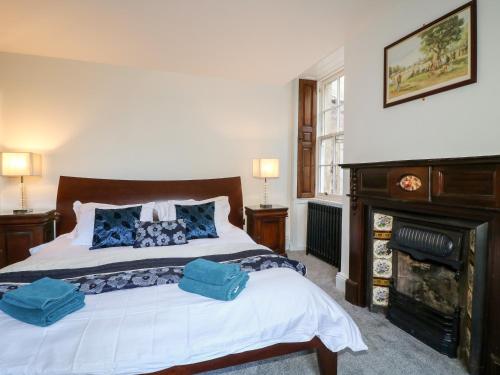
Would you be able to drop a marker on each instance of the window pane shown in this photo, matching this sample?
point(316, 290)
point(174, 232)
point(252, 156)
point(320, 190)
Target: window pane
point(331, 150)
point(341, 90)
point(339, 149)
point(325, 179)
point(341, 118)
point(326, 151)
point(338, 180)
point(339, 159)
point(330, 121)
point(331, 94)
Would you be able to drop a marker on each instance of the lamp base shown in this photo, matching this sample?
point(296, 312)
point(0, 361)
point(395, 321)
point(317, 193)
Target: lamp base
point(22, 211)
point(266, 205)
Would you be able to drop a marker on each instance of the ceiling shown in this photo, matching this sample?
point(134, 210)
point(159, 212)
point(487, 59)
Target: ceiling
point(270, 41)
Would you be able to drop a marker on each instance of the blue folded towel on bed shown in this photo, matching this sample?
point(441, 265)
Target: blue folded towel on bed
point(40, 294)
point(45, 317)
point(226, 292)
point(211, 272)
point(42, 302)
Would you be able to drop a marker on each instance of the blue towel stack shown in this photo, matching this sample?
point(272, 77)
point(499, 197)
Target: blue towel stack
point(42, 302)
point(214, 280)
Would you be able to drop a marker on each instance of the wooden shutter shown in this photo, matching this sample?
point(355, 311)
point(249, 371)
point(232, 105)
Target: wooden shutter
point(306, 155)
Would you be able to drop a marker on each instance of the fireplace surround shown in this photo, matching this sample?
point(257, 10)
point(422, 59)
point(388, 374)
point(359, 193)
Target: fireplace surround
point(442, 207)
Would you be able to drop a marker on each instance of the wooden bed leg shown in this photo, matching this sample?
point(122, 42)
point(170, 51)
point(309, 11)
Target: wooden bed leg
point(327, 361)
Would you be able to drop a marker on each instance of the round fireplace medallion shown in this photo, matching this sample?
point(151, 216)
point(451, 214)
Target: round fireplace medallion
point(410, 182)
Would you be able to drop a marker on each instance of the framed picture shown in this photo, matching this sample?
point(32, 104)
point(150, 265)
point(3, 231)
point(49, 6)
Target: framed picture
point(437, 57)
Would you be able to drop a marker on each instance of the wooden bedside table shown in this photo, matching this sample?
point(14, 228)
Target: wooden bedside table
point(266, 226)
point(20, 232)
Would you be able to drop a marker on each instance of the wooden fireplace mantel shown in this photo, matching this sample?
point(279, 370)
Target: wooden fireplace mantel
point(465, 188)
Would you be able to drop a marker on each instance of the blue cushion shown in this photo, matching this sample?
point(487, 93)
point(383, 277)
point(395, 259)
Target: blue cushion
point(160, 233)
point(115, 227)
point(199, 219)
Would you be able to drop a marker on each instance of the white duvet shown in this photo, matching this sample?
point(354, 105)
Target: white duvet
point(144, 330)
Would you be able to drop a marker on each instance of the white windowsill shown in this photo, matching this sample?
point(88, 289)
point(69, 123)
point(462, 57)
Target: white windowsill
point(332, 200)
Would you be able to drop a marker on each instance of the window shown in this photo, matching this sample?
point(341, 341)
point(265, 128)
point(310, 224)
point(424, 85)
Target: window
point(330, 135)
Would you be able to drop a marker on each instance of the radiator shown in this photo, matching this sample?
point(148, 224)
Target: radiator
point(324, 232)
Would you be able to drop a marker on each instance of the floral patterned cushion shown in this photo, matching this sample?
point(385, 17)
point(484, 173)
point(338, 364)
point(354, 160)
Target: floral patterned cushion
point(160, 233)
point(200, 220)
point(115, 227)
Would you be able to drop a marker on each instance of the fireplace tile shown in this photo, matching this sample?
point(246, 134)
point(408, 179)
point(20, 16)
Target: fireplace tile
point(382, 222)
point(380, 249)
point(381, 282)
point(382, 235)
point(382, 268)
point(380, 296)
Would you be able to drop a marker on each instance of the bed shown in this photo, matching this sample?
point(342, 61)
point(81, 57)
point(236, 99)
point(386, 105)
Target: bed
point(161, 329)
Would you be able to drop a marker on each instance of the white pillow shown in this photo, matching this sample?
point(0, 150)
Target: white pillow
point(166, 210)
point(85, 217)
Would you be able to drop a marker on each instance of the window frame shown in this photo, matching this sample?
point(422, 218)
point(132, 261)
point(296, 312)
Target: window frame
point(320, 137)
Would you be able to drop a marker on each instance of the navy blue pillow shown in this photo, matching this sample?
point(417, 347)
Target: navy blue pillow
point(115, 227)
point(160, 233)
point(199, 219)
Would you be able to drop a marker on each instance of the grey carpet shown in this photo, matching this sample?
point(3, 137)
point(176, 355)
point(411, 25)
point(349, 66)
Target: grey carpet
point(391, 351)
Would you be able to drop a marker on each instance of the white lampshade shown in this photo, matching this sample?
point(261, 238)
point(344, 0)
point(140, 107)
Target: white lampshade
point(21, 164)
point(266, 168)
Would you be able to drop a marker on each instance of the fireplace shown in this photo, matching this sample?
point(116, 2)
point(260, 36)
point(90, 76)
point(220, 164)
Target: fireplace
point(423, 280)
point(425, 251)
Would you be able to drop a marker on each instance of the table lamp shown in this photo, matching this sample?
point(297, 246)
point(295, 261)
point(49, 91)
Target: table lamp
point(21, 164)
point(266, 168)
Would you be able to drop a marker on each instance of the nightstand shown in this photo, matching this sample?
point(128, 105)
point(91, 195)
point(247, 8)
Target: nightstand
point(266, 226)
point(21, 232)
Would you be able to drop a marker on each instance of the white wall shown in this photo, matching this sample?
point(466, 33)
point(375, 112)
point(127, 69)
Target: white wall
point(104, 121)
point(461, 122)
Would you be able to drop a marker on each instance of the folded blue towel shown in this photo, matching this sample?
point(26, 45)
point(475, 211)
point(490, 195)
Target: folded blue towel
point(41, 294)
point(47, 316)
point(210, 272)
point(226, 292)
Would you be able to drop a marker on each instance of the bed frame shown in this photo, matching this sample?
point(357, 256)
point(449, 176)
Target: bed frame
point(85, 190)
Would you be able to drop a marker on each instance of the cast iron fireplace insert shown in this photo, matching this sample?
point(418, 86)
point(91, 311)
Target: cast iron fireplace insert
point(433, 261)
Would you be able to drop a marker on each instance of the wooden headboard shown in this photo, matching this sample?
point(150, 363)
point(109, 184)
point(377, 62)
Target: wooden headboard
point(73, 189)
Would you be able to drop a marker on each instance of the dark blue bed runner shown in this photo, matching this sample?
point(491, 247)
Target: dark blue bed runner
point(144, 272)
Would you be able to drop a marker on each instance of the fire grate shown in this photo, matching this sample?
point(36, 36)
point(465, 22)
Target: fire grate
point(438, 330)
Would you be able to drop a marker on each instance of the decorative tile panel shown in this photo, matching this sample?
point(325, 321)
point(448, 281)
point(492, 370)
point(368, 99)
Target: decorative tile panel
point(382, 260)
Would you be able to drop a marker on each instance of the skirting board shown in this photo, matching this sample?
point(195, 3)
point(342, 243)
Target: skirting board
point(340, 280)
point(297, 247)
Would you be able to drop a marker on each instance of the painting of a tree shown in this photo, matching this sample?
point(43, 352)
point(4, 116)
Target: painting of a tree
point(438, 39)
point(435, 58)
